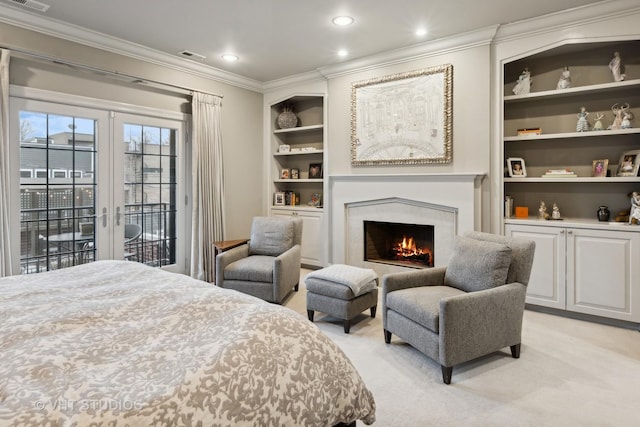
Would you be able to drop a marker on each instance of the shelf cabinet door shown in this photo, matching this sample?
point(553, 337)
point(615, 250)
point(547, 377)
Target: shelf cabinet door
point(311, 250)
point(547, 282)
point(602, 267)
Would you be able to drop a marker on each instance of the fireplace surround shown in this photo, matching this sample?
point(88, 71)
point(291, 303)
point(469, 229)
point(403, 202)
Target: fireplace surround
point(450, 202)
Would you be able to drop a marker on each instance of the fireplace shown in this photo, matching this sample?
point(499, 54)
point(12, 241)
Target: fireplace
point(407, 245)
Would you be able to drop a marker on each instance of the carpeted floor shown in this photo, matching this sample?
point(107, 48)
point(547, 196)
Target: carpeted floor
point(570, 373)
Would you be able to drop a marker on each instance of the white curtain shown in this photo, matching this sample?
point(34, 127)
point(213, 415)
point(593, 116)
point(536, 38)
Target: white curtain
point(208, 195)
point(5, 244)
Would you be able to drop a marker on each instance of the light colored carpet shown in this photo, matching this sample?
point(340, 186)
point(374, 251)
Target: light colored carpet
point(570, 373)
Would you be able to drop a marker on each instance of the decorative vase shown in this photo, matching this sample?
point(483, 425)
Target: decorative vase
point(603, 213)
point(287, 119)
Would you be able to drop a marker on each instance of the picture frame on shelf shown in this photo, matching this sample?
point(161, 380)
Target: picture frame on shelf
point(629, 163)
point(315, 200)
point(315, 170)
point(284, 148)
point(516, 166)
point(295, 173)
point(278, 198)
point(599, 168)
point(285, 173)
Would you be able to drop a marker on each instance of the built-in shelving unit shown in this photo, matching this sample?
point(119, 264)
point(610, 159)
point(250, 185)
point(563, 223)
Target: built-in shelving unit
point(559, 146)
point(581, 264)
point(300, 148)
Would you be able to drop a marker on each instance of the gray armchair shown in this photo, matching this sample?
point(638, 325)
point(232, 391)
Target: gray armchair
point(470, 308)
point(268, 266)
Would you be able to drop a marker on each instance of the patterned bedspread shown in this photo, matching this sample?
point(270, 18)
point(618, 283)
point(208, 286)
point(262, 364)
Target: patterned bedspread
point(116, 343)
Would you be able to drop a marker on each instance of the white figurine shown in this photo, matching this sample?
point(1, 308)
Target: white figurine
point(615, 66)
point(523, 85)
point(555, 213)
point(583, 124)
point(598, 124)
point(626, 120)
point(565, 79)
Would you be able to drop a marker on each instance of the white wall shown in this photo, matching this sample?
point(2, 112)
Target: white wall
point(471, 118)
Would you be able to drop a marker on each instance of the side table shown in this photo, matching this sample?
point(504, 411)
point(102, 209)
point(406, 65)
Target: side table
point(222, 246)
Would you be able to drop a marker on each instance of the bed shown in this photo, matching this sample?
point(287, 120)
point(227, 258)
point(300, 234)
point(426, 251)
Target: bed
point(119, 343)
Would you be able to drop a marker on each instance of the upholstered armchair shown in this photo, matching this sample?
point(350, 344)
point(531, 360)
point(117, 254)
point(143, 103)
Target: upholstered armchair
point(268, 266)
point(470, 308)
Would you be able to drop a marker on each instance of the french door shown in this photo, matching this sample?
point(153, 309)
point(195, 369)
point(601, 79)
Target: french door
point(94, 184)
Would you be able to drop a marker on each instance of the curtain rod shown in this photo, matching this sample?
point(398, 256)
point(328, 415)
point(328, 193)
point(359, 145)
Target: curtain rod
point(101, 71)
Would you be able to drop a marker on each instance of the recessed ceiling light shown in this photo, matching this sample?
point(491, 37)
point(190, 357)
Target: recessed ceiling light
point(421, 32)
point(229, 57)
point(342, 20)
point(342, 53)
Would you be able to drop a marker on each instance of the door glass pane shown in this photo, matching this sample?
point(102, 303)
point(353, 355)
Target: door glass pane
point(150, 187)
point(57, 187)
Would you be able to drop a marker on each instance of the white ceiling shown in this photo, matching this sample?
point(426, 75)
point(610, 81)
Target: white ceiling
point(281, 38)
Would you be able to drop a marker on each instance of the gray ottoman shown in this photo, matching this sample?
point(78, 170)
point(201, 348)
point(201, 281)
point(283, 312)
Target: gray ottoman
point(338, 300)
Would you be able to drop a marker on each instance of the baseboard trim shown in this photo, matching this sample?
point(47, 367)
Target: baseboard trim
point(586, 317)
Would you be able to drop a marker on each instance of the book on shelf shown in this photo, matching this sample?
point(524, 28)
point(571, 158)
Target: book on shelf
point(559, 173)
point(529, 131)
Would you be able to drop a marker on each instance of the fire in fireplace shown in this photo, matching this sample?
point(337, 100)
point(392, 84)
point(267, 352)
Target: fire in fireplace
point(408, 245)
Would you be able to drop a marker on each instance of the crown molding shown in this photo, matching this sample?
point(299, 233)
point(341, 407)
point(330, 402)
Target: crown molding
point(118, 46)
point(445, 45)
point(566, 19)
point(308, 77)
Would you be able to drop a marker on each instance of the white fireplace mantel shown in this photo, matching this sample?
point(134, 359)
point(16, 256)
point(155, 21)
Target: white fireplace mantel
point(460, 192)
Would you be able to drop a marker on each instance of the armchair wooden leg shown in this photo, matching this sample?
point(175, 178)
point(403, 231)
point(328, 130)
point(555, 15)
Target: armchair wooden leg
point(446, 373)
point(310, 314)
point(387, 336)
point(515, 351)
point(295, 288)
point(373, 311)
point(347, 326)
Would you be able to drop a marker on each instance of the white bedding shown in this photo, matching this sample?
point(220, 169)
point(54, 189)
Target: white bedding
point(117, 343)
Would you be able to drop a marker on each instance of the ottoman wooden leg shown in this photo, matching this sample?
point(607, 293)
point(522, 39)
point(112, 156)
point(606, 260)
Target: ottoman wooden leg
point(347, 326)
point(310, 314)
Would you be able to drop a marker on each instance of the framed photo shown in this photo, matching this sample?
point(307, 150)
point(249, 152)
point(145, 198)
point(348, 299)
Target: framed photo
point(599, 168)
point(278, 198)
point(315, 170)
point(516, 167)
point(629, 162)
point(285, 174)
point(295, 173)
point(284, 148)
point(403, 118)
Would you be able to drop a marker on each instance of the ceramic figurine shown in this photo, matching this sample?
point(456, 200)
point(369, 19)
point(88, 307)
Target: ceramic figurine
point(626, 120)
point(615, 65)
point(523, 85)
point(618, 114)
point(565, 79)
point(583, 124)
point(598, 124)
point(555, 213)
point(542, 210)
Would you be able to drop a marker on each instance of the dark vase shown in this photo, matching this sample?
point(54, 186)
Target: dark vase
point(603, 213)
